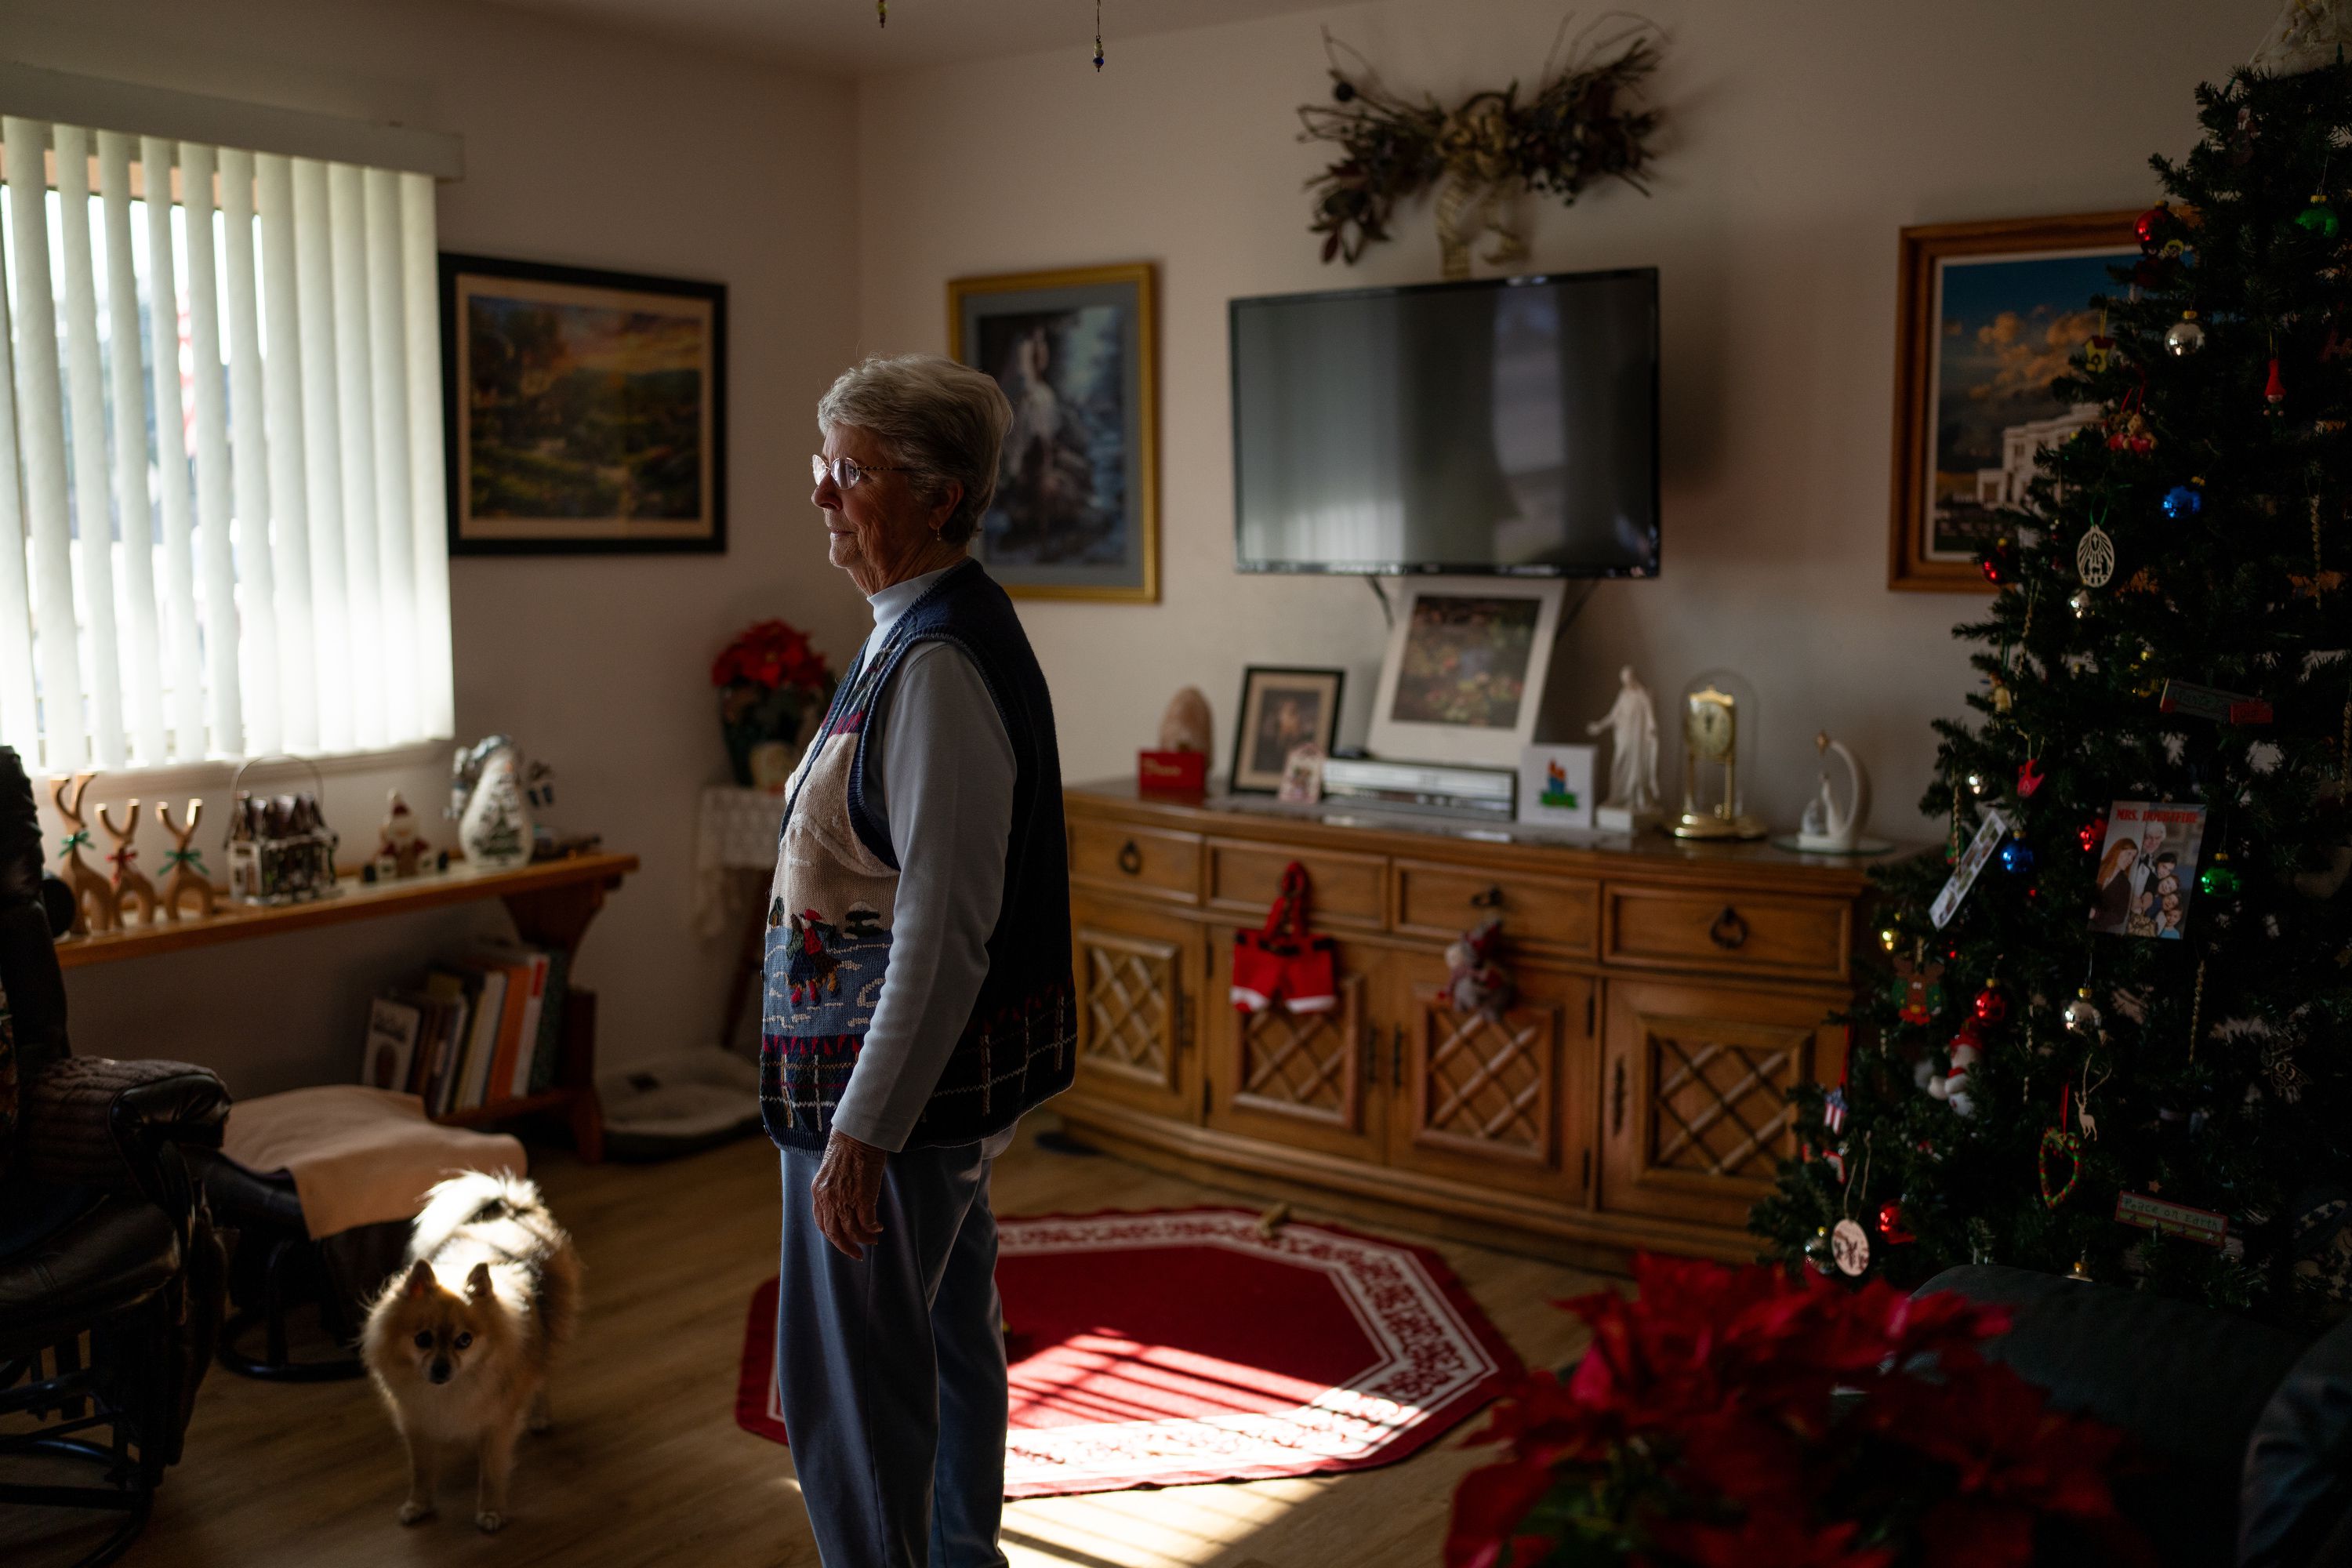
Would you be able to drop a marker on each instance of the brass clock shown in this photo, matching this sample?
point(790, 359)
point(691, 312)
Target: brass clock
point(1711, 746)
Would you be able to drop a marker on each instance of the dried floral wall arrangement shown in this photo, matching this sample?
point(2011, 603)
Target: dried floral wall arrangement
point(1486, 152)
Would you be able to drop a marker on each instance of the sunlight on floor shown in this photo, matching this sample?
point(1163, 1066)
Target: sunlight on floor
point(1176, 1527)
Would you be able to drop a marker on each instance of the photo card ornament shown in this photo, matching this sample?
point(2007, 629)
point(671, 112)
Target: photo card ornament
point(1990, 830)
point(2146, 871)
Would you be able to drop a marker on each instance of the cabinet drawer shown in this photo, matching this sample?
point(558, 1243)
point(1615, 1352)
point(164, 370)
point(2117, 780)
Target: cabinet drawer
point(1148, 861)
point(1734, 931)
point(1344, 888)
point(1556, 915)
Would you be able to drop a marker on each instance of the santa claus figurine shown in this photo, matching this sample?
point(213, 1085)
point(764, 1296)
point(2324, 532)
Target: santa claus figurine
point(401, 851)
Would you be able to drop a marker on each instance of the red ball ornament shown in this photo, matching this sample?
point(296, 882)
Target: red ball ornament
point(2091, 835)
point(1890, 1225)
point(1992, 1006)
point(2149, 229)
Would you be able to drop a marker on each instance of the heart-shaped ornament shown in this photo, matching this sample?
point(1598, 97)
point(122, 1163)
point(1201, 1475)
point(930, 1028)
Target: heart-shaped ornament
point(2057, 1142)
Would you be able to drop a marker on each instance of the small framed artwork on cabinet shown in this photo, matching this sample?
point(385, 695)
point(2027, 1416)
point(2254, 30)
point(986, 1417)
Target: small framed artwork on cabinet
point(1282, 709)
point(1556, 786)
point(1990, 314)
point(1465, 672)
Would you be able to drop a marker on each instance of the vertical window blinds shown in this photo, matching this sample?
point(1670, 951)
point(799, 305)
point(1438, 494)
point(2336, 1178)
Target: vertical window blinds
point(222, 529)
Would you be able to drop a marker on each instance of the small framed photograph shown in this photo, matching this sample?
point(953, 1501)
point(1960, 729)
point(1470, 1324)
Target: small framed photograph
point(1990, 314)
point(1302, 776)
point(1463, 676)
point(2147, 869)
point(1282, 710)
point(585, 412)
point(1076, 510)
point(1555, 785)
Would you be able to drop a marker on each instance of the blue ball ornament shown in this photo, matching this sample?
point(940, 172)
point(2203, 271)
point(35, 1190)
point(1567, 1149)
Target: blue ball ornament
point(2017, 857)
point(2183, 501)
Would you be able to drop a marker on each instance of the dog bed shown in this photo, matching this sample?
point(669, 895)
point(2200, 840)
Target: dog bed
point(678, 1103)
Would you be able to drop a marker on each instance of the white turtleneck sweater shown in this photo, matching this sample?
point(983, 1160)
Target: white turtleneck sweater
point(939, 781)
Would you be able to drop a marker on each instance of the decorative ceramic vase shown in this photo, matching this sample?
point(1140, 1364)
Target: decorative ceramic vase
point(754, 720)
point(495, 828)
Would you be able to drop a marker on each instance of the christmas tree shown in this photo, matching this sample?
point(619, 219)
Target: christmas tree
point(2120, 1051)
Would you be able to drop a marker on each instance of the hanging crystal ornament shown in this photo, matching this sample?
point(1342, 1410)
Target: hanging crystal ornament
point(2094, 553)
point(2079, 601)
point(2184, 337)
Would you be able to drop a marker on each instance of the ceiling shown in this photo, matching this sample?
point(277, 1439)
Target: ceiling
point(841, 36)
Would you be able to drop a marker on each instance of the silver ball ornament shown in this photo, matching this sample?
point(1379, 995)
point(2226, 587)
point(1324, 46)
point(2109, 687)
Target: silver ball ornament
point(2079, 601)
point(2082, 1015)
point(2184, 337)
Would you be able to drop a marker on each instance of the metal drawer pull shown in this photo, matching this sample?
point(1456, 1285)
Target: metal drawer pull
point(1492, 898)
point(1730, 930)
point(1131, 858)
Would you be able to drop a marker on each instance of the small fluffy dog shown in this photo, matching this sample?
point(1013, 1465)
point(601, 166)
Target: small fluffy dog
point(467, 1366)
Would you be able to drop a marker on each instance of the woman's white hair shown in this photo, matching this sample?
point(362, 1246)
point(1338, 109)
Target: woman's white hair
point(941, 421)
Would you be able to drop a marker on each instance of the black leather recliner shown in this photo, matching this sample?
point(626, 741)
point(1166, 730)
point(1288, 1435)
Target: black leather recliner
point(2242, 1433)
point(105, 1243)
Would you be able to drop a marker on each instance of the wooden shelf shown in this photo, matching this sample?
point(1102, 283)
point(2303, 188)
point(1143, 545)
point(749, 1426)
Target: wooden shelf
point(551, 903)
point(358, 901)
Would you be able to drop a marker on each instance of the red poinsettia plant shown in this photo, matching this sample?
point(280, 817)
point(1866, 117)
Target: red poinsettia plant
point(1743, 1418)
point(769, 678)
point(770, 655)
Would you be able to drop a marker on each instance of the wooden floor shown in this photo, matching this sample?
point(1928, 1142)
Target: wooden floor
point(647, 1465)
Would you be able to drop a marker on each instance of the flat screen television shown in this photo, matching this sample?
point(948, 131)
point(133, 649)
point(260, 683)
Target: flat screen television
point(1504, 427)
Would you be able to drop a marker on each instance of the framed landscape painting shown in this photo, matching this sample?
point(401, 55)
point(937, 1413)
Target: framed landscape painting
point(585, 411)
point(1990, 314)
point(1076, 510)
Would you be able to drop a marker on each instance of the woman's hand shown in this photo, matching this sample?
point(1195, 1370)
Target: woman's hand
point(847, 1193)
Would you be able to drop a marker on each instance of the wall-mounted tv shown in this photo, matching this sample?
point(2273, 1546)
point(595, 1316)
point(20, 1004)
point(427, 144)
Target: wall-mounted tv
point(1504, 428)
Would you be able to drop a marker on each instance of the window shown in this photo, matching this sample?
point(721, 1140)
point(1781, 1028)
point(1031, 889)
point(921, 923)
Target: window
point(222, 532)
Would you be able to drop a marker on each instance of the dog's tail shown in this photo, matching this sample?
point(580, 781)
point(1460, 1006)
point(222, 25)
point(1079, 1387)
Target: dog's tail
point(472, 1198)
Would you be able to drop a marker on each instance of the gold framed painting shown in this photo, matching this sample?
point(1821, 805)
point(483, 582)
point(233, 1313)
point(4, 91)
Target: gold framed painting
point(1990, 315)
point(586, 412)
point(1076, 510)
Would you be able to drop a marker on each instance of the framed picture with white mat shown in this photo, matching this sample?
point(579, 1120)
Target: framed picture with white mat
point(1464, 675)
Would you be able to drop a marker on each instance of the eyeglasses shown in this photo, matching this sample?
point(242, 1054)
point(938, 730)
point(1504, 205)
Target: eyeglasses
point(845, 474)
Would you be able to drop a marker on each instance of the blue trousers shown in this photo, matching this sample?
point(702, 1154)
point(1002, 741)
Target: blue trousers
point(890, 1369)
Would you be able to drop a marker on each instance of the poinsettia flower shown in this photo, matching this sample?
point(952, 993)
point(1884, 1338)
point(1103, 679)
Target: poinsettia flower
point(1770, 1540)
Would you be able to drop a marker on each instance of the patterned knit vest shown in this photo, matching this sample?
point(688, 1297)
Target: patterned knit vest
point(831, 905)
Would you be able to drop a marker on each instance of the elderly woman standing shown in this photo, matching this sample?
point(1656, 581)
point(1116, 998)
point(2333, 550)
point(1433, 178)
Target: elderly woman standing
point(919, 992)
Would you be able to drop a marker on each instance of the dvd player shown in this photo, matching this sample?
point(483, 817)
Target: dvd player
point(1423, 786)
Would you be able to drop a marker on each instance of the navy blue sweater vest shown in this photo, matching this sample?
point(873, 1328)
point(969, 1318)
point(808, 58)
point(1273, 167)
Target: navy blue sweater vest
point(1018, 1048)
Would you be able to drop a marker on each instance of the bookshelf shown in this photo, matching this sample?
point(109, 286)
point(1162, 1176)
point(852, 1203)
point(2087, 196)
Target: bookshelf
point(551, 903)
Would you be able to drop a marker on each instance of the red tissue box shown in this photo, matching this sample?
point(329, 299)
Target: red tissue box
point(1172, 773)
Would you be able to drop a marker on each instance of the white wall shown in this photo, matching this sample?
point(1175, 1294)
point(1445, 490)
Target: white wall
point(1800, 137)
point(593, 149)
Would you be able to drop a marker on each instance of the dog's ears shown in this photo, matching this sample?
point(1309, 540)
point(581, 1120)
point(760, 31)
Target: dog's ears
point(420, 1281)
point(477, 1283)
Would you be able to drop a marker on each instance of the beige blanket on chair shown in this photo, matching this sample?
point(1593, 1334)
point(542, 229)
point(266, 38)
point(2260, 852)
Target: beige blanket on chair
point(358, 1156)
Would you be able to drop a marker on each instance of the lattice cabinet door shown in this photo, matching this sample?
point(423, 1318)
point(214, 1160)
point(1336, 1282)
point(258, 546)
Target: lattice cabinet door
point(1501, 1101)
point(1695, 1095)
point(1300, 1078)
point(1137, 974)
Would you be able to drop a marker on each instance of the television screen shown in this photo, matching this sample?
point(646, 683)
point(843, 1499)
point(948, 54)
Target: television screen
point(1506, 428)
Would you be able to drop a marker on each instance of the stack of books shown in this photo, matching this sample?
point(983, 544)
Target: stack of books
point(472, 1031)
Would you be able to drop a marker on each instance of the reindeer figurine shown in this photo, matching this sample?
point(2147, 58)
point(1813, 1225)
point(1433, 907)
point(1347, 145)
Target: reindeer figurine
point(187, 865)
point(94, 908)
point(131, 884)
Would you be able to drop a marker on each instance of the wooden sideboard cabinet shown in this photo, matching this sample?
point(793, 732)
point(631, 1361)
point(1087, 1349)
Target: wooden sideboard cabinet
point(1633, 1095)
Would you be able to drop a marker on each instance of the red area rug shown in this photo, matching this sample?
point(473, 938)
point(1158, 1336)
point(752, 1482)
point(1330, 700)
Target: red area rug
point(1162, 1348)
